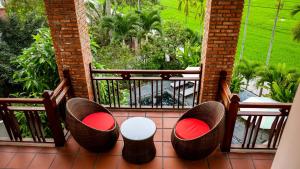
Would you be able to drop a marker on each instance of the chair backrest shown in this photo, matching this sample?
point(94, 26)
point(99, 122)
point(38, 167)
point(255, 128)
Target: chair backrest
point(211, 112)
point(80, 108)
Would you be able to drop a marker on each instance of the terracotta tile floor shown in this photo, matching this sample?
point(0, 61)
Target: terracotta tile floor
point(74, 156)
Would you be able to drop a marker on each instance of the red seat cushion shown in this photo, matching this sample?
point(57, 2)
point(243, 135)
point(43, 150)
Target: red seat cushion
point(191, 128)
point(99, 121)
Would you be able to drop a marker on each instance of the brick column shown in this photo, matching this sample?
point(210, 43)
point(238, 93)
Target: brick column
point(67, 21)
point(221, 31)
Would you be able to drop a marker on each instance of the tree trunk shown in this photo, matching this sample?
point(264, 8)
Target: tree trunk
point(108, 7)
point(273, 33)
point(245, 30)
point(247, 84)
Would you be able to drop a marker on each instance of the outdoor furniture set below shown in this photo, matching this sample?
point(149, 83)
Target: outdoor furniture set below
point(196, 134)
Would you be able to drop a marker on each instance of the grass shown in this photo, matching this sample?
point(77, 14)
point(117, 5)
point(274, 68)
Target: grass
point(259, 30)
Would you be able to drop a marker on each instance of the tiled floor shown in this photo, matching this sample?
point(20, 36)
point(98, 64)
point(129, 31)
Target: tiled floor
point(74, 156)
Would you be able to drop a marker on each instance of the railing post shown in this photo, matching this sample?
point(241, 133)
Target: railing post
point(53, 119)
point(230, 119)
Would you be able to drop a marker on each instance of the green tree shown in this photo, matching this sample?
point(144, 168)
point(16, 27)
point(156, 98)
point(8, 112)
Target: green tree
point(197, 5)
point(17, 34)
point(94, 11)
point(248, 70)
point(123, 27)
point(36, 67)
point(279, 6)
point(24, 7)
point(296, 30)
point(149, 20)
point(189, 55)
point(280, 81)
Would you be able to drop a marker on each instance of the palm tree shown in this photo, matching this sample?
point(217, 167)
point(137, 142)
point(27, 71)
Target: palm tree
point(149, 20)
point(198, 5)
point(248, 70)
point(279, 6)
point(94, 11)
point(296, 30)
point(123, 27)
point(245, 30)
point(281, 82)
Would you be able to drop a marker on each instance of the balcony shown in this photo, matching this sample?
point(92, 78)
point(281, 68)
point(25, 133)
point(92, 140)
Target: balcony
point(37, 151)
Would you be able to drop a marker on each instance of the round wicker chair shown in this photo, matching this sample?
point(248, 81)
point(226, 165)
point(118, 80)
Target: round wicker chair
point(89, 138)
point(213, 114)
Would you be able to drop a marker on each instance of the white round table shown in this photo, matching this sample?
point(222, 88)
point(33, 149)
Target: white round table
point(138, 133)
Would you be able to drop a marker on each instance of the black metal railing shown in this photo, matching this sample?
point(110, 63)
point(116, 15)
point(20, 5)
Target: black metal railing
point(138, 89)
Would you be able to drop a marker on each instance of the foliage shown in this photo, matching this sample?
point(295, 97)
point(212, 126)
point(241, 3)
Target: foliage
point(115, 56)
point(198, 5)
point(36, 67)
point(236, 82)
point(17, 34)
point(22, 8)
point(94, 11)
point(248, 70)
point(123, 27)
point(281, 81)
point(148, 21)
point(189, 55)
point(296, 30)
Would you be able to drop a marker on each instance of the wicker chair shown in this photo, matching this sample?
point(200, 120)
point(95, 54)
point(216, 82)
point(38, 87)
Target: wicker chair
point(213, 114)
point(89, 138)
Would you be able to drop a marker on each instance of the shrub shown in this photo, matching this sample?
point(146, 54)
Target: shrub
point(36, 67)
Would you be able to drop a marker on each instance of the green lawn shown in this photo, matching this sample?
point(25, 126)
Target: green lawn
point(261, 19)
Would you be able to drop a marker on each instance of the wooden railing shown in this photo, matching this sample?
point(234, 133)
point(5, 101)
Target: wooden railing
point(144, 89)
point(30, 112)
point(250, 117)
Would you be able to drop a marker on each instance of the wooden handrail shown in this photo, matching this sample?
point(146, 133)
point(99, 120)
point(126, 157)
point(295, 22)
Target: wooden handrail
point(118, 71)
point(264, 105)
point(22, 100)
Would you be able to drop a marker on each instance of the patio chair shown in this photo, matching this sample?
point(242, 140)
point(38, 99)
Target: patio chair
point(91, 125)
point(199, 131)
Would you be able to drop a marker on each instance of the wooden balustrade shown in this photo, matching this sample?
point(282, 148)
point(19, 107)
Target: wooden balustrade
point(52, 105)
point(252, 120)
point(146, 89)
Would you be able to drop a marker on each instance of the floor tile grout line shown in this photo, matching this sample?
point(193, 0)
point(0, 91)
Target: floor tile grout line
point(229, 159)
point(52, 161)
point(10, 160)
point(162, 135)
point(253, 163)
point(32, 160)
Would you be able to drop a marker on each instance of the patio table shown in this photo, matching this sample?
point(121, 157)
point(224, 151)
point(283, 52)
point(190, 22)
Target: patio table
point(138, 135)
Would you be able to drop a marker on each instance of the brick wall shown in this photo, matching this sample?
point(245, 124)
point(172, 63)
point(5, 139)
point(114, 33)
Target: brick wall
point(221, 31)
point(67, 21)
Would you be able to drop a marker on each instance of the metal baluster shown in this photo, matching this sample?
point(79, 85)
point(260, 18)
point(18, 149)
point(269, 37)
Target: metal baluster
point(174, 94)
point(178, 100)
point(113, 92)
point(118, 93)
point(108, 93)
point(183, 94)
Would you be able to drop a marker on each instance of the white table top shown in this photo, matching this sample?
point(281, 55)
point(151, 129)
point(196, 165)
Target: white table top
point(138, 128)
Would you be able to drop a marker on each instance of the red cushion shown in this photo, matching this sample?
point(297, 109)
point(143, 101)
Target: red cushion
point(191, 128)
point(99, 121)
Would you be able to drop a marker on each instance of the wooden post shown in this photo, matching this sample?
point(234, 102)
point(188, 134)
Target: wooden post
point(230, 119)
point(53, 119)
